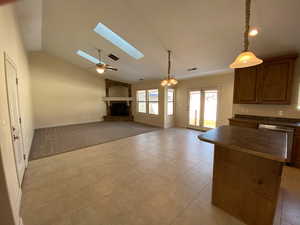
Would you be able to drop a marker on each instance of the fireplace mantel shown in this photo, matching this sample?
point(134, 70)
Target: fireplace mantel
point(117, 99)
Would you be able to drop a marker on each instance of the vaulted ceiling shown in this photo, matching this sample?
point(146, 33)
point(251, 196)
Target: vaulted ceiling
point(206, 34)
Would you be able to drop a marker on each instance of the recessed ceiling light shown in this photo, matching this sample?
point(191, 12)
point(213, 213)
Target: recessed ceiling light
point(118, 41)
point(253, 32)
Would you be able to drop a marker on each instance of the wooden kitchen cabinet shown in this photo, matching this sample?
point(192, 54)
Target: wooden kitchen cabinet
point(245, 83)
point(268, 83)
point(296, 149)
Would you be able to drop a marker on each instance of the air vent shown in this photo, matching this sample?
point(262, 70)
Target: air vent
point(192, 69)
point(113, 57)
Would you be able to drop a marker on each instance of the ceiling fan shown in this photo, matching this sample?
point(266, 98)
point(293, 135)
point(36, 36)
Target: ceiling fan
point(102, 67)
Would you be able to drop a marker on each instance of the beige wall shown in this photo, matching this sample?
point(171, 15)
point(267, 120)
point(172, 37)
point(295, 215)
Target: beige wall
point(5, 208)
point(154, 120)
point(224, 83)
point(11, 43)
point(289, 111)
point(118, 91)
point(64, 93)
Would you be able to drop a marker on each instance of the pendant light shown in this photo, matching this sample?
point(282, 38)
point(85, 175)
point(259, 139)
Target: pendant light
point(169, 81)
point(246, 58)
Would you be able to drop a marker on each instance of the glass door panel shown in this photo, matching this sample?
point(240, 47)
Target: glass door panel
point(203, 105)
point(194, 108)
point(210, 108)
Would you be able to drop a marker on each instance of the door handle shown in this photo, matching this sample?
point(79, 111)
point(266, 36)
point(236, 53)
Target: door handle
point(15, 137)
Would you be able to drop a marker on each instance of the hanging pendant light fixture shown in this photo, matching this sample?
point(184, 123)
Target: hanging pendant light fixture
point(169, 81)
point(246, 58)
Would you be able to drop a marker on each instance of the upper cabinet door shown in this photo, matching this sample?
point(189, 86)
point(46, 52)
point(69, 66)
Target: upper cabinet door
point(267, 83)
point(245, 85)
point(275, 82)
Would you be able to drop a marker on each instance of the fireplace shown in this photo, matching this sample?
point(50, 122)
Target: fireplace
point(119, 109)
point(118, 101)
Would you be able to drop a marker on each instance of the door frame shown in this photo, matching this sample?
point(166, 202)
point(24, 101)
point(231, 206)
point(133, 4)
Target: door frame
point(201, 89)
point(7, 59)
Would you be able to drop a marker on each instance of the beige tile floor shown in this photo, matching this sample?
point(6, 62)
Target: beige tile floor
point(160, 178)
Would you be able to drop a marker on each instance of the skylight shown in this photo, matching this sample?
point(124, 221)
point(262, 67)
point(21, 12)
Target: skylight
point(115, 39)
point(88, 57)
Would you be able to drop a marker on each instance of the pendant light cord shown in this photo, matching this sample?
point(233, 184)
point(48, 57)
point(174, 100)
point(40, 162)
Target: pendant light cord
point(247, 25)
point(169, 64)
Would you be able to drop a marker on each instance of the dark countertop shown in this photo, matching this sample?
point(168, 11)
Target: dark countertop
point(261, 143)
point(268, 120)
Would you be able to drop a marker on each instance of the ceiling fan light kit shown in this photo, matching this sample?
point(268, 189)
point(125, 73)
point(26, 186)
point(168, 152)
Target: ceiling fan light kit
point(169, 81)
point(246, 58)
point(102, 67)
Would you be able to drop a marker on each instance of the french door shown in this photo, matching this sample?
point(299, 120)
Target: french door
point(202, 108)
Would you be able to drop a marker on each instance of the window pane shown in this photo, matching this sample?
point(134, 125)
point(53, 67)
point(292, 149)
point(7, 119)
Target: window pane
point(170, 95)
point(170, 108)
point(210, 108)
point(141, 107)
point(141, 96)
point(153, 95)
point(153, 108)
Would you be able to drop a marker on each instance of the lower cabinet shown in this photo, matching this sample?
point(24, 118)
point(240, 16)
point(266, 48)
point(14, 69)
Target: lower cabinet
point(296, 149)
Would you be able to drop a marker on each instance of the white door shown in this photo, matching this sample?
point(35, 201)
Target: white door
point(15, 119)
point(203, 105)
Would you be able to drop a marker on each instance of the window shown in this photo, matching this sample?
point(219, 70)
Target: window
point(153, 101)
point(118, 41)
point(141, 101)
point(170, 102)
point(148, 100)
point(88, 57)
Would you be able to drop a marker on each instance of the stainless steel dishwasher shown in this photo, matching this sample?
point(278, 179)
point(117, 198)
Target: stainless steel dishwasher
point(289, 137)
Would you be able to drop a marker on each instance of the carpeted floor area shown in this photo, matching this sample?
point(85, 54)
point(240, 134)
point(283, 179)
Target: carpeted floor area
point(55, 140)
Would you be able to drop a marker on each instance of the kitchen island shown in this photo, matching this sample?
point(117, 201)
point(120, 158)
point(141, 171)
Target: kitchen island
point(247, 171)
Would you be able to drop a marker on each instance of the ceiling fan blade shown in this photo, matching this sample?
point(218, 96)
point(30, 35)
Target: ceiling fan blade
point(112, 68)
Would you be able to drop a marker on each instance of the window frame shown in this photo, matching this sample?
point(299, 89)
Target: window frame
point(149, 102)
point(168, 101)
point(138, 101)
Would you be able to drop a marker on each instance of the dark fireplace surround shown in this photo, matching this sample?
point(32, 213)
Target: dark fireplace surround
point(117, 110)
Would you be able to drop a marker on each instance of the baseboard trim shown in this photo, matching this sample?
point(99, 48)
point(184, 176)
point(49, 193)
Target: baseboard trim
point(68, 124)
